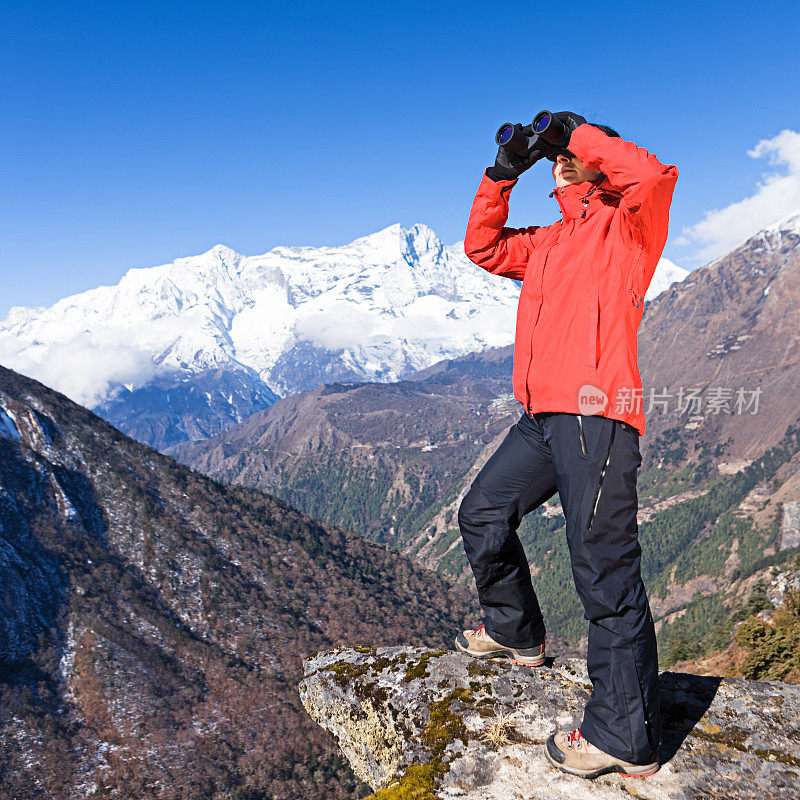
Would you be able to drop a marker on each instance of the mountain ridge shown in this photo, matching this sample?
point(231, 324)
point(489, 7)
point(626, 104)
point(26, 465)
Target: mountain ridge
point(249, 329)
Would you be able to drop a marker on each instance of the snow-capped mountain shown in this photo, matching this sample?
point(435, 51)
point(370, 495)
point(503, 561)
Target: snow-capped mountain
point(386, 304)
point(769, 239)
point(774, 236)
point(377, 309)
point(667, 272)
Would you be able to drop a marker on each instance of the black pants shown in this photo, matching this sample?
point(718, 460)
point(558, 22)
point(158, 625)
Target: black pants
point(593, 466)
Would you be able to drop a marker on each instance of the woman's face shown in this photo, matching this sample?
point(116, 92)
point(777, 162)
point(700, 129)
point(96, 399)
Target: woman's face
point(568, 169)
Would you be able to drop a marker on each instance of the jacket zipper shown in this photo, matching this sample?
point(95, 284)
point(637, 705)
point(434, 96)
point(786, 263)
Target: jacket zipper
point(585, 199)
point(580, 434)
point(602, 474)
point(533, 327)
point(637, 298)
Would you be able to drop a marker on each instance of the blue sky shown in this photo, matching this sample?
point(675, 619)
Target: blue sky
point(139, 133)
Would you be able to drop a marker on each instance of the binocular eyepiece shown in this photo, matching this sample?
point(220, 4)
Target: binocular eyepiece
point(515, 138)
point(551, 129)
point(546, 133)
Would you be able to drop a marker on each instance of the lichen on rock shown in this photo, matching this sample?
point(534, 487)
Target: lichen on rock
point(417, 724)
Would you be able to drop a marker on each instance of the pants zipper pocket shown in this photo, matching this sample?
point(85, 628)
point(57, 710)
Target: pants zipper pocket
point(602, 475)
point(580, 434)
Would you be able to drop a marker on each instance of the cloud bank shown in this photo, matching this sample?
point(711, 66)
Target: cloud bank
point(777, 195)
point(82, 368)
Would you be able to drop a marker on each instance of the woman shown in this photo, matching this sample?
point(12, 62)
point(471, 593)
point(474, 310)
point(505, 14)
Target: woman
point(576, 373)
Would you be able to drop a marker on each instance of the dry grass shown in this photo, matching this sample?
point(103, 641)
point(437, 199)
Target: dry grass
point(500, 729)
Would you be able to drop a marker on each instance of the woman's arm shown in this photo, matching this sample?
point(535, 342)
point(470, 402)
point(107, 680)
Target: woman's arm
point(488, 243)
point(646, 185)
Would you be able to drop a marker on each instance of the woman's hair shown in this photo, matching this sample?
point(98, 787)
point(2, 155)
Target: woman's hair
point(608, 131)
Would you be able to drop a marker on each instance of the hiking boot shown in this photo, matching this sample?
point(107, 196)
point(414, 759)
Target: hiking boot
point(478, 643)
point(571, 753)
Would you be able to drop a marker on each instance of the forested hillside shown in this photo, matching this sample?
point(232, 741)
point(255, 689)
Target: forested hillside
point(154, 621)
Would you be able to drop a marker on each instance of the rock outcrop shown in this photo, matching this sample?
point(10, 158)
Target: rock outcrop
point(781, 584)
point(421, 724)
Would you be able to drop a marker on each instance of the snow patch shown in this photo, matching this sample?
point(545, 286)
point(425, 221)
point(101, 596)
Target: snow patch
point(667, 272)
point(8, 428)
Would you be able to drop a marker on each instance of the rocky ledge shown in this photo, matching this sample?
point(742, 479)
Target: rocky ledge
point(421, 724)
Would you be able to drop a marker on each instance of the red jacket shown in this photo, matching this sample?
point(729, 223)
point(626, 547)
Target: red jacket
point(583, 278)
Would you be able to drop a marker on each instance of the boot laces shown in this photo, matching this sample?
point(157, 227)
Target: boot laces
point(575, 739)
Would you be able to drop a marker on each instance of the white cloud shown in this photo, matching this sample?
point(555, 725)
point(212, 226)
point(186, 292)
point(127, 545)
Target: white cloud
point(89, 366)
point(777, 195)
point(341, 326)
point(82, 368)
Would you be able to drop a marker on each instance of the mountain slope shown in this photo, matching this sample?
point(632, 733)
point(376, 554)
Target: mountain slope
point(392, 451)
point(183, 350)
point(730, 327)
point(154, 621)
point(388, 462)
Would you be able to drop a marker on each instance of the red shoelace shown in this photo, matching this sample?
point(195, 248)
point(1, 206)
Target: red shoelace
point(575, 738)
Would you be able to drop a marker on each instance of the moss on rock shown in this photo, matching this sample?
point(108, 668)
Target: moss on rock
point(419, 668)
point(420, 780)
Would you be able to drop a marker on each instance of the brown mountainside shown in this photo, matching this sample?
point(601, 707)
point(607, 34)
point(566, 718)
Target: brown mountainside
point(154, 622)
point(732, 324)
point(382, 459)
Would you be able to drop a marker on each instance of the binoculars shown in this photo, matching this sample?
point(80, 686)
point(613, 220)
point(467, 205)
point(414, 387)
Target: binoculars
point(546, 133)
